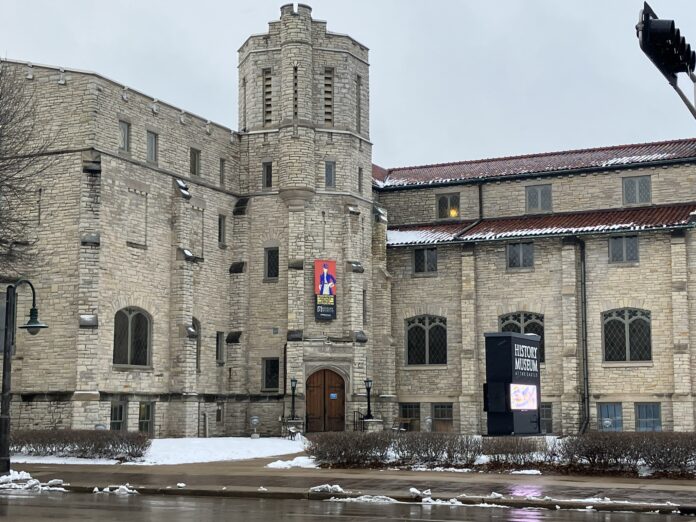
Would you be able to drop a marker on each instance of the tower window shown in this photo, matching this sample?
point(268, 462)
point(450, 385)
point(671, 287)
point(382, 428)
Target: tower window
point(123, 136)
point(152, 146)
point(267, 96)
point(328, 96)
point(358, 102)
point(272, 263)
point(195, 162)
point(330, 174)
point(267, 175)
point(222, 172)
point(360, 180)
point(295, 93)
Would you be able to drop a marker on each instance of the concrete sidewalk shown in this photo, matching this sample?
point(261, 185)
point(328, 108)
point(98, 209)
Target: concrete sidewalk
point(251, 478)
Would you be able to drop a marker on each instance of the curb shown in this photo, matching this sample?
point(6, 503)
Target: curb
point(511, 502)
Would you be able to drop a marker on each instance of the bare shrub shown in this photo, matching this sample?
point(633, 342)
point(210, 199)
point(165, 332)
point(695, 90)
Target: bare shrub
point(512, 451)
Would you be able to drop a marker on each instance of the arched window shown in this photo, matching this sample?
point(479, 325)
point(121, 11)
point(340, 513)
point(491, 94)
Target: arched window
point(197, 328)
point(525, 322)
point(426, 340)
point(627, 335)
point(132, 337)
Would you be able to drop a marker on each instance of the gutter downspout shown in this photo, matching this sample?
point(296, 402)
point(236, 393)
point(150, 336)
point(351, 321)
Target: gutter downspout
point(583, 341)
point(285, 375)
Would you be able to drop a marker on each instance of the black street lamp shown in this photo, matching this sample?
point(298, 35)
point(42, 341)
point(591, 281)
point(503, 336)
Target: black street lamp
point(293, 388)
point(368, 387)
point(33, 326)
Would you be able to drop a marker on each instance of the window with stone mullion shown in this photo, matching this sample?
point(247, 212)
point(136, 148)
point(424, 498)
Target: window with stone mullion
point(627, 335)
point(426, 340)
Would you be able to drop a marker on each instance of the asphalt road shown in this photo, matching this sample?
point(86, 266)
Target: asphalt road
point(140, 508)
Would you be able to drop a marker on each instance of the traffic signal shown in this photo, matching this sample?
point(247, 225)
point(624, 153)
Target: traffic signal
point(663, 43)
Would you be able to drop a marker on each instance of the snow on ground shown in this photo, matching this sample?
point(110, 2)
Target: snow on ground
point(191, 450)
point(371, 499)
point(24, 481)
point(526, 472)
point(123, 489)
point(327, 488)
point(439, 468)
point(297, 462)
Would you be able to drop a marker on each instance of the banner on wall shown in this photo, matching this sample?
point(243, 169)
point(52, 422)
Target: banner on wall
point(325, 289)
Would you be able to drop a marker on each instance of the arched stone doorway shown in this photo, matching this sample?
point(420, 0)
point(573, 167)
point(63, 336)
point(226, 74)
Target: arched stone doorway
point(326, 402)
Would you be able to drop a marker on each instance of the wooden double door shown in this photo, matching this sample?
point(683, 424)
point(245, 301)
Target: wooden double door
point(326, 402)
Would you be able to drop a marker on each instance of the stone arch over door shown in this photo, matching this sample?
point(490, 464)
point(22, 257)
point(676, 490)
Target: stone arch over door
point(325, 401)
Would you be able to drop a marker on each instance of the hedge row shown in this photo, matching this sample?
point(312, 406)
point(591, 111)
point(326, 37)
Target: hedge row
point(106, 444)
point(664, 453)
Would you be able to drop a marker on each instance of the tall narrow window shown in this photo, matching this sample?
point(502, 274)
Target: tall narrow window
point(525, 322)
point(538, 198)
point(267, 85)
point(360, 180)
point(627, 335)
point(221, 229)
point(152, 147)
point(146, 417)
point(425, 260)
point(199, 338)
point(194, 162)
point(222, 172)
point(330, 174)
point(329, 96)
point(272, 263)
point(124, 136)
point(364, 307)
point(448, 206)
point(220, 348)
point(637, 189)
point(295, 93)
point(244, 104)
point(267, 181)
point(358, 103)
point(546, 417)
point(131, 337)
point(520, 255)
point(623, 249)
point(271, 373)
point(118, 415)
point(426, 340)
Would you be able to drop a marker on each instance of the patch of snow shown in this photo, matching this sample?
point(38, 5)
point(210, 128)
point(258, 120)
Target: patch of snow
point(486, 505)
point(482, 459)
point(439, 468)
point(180, 485)
point(415, 492)
point(49, 459)
point(297, 462)
point(370, 499)
point(191, 450)
point(450, 502)
point(405, 237)
point(123, 489)
point(495, 495)
point(327, 488)
point(526, 472)
point(261, 488)
point(626, 160)
point(426, 492)
point(24, 481)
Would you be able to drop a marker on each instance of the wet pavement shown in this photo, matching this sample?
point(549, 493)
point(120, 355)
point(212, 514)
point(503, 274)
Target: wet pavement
point(250, 475)
point(137, 508)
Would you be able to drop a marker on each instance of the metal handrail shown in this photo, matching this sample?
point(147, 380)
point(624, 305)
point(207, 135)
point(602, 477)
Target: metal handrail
point(358, 421)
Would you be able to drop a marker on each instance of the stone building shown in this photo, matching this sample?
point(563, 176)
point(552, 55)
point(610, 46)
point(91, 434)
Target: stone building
point(178, 262)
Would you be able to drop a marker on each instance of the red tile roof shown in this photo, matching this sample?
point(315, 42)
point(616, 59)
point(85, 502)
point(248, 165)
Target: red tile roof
point(593, 222)
point(425, 234)
point(575, 223)
point(603, 157)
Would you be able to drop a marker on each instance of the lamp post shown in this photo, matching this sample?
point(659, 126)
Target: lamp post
point(293, 388)
point(33, 326)
point(368, 387)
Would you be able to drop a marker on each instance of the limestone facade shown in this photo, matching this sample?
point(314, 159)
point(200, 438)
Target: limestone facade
point(181, 233)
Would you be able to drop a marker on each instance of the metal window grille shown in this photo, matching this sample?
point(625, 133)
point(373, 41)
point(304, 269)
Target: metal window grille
point(525, 322)
point(329, 96)
point(221, 229)
point(623, 249)
point(627, 335)
point(271, 373)
point(152, 147)
point(546, 417)
point(131, 337)
point(124, 136)
point(146, 417)
point(425, 260)
point(220, 347)
point(539, 198)
point(448, 206)
point(267, 86)
point(637, 189)
point(330, 173)
point(609, 416)
point(520, 255)
point(195, 162)
point(411, 411)
point(267, 175)
point(118, 416)
point(426, 340)
point(648, 416)
point(272, 263)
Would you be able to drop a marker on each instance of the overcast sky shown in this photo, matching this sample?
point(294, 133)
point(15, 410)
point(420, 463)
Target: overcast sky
point(450, 80)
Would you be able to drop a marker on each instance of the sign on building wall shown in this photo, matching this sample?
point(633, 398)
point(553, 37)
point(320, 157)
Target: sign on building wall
point(512, 392)
point(325, 289)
